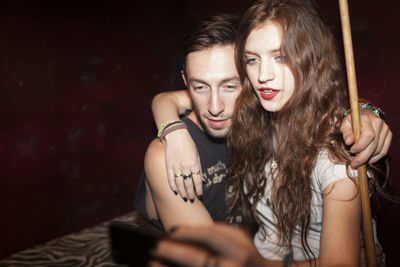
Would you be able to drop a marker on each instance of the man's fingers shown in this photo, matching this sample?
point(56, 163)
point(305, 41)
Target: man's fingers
point(347, 130)
point(156, 263)
point(363, 156)
point(384, 150)
point(375, 150)
point(181, 254)
point(382, 138)
point(374, 141)
point(367, 138)
point(218, 237)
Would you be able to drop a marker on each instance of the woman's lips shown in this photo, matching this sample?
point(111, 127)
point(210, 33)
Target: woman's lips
point(268, 93)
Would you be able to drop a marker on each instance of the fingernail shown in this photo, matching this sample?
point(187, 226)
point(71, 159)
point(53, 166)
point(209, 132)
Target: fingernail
point(192, 200)
point(185, 199)
point(200, 197)
point(176, 193)
point(204, 182)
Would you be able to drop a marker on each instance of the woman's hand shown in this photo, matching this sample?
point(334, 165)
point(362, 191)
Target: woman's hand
point(182, 160)
point(181, 154)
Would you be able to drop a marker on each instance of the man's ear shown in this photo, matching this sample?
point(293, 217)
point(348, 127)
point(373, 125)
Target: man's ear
point(184, 78)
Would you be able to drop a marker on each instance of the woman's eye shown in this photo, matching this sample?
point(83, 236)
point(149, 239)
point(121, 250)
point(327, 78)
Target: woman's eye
point(280, 59)
point(251, 60)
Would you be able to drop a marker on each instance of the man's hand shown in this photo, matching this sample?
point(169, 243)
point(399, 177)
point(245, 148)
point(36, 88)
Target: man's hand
point(374, 141)
point(191, 246)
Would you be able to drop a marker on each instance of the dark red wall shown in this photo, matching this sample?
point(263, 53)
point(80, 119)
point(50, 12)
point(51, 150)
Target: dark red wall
point(77, 79)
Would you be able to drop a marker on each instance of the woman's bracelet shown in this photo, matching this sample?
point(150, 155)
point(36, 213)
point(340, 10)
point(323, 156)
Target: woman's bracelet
point(377, 111)
point(164, 126)
point(172, 129)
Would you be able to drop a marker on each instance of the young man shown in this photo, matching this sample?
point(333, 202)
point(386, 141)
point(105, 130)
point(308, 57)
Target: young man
point(210, 75)
point(209, 60)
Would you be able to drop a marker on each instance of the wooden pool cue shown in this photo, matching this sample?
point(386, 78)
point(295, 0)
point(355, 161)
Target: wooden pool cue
point(355, 116)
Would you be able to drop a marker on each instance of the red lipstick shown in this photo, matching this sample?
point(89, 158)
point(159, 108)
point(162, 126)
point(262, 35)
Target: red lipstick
point(268, 93)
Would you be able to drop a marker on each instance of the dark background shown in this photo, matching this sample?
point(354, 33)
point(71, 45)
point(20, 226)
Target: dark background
point(77, 79)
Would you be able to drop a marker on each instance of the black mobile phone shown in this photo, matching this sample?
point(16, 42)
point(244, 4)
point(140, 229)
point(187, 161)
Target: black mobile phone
point(131, 244)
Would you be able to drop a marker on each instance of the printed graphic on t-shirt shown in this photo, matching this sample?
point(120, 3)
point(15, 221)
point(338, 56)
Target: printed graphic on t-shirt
point(215, 174)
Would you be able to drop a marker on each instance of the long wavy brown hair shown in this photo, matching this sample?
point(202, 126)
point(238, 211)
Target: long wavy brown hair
point(309, 122)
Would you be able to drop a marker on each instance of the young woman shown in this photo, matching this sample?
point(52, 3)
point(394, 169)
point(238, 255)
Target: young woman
point(289, 164)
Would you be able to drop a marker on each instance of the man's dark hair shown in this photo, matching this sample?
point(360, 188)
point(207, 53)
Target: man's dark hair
point(216, 30)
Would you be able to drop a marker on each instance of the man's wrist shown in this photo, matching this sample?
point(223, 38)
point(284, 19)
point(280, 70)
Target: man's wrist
point(368, 106)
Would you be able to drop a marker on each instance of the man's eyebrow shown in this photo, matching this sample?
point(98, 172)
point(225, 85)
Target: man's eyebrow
point(231, 79)
point(191, 80)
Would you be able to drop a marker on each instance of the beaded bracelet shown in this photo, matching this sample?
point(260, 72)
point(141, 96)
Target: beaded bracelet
point(166, 125)
point(171, 129)
point(377, 111)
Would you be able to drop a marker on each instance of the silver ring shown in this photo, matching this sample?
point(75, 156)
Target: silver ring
point(178, 175)
point(198, 172)
point(187, 176)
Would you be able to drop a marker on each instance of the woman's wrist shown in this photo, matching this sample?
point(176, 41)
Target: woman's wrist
point(168, 130)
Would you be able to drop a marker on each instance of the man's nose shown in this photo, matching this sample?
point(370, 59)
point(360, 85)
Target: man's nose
point(216, 104)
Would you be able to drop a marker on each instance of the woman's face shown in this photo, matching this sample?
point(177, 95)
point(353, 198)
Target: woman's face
point(272, 80)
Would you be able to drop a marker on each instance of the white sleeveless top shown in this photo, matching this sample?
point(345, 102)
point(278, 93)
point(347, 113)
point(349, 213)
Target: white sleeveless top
point(324, 173)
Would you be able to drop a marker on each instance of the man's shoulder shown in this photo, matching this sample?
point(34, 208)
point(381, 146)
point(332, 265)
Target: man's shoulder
point(156, 149)
point(157, 145)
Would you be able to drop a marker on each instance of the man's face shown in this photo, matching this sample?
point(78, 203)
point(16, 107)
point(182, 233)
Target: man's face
point(214, 86)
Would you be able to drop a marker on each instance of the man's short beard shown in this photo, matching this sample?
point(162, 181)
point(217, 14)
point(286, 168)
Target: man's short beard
point(207, 129)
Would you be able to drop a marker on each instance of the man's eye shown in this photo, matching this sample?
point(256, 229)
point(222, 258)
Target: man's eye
point(231, 86)
point(199, 88)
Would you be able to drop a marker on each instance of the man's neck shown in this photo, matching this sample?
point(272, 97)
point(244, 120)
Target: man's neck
point(193, 117)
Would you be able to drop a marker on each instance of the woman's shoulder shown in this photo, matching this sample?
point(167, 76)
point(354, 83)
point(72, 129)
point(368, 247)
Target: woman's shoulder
point(327, 170)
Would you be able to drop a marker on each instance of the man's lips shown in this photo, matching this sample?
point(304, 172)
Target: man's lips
point(217, 123)
point(268, 93)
